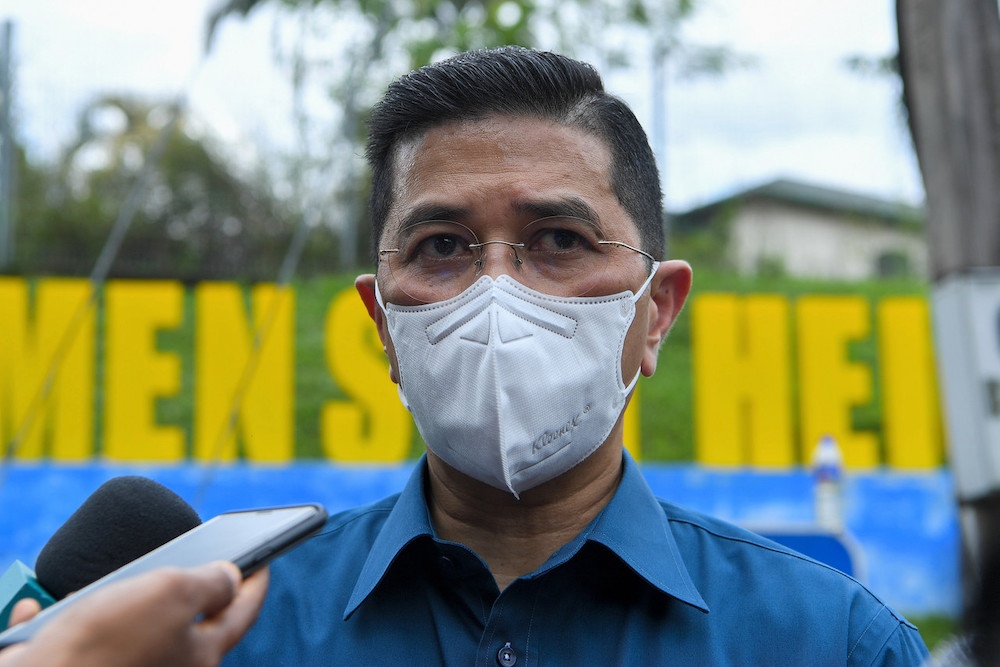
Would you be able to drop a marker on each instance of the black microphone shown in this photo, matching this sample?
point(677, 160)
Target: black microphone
point(126, 517)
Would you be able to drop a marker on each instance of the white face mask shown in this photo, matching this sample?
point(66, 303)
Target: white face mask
point(510, 386)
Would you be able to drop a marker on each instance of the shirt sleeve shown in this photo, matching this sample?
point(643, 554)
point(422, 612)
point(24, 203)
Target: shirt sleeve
point(889, 640)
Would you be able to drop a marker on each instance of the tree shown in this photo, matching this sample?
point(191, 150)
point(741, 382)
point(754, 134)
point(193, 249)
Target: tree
point(951, 73)
point(950, 63)
point(199, 218)
point(377, 40)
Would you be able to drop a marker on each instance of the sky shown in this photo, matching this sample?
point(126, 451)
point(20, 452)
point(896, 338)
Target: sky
point(797, 112)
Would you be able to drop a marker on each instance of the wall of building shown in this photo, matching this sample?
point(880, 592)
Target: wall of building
point(812, 243)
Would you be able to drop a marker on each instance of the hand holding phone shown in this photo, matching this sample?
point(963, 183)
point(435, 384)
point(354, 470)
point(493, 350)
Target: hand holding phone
point(249, 539)
point(168, 616)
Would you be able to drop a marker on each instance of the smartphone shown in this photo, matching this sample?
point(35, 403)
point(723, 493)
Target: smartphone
point(248, 538)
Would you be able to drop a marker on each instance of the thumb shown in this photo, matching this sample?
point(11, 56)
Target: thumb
point(213, 586)
point(24, 610)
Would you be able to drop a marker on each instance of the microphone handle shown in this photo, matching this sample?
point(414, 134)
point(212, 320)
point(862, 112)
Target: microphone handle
point(17, 583)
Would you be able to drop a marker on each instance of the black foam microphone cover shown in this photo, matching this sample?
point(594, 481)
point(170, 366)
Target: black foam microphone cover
point(126, 517)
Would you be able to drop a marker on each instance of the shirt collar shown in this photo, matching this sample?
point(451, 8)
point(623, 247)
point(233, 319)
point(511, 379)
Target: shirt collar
point(632, 525)
point(408, 520)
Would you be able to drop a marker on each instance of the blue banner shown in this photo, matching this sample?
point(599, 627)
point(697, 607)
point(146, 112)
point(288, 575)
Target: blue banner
point(905, 526)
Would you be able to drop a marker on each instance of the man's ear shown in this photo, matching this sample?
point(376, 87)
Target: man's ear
point(365, 284)
point(668, 291)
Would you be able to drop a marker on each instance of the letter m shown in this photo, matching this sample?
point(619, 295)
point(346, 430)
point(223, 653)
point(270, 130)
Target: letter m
point(47, 369)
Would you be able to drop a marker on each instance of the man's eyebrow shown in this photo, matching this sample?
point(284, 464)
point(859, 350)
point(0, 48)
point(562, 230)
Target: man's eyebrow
point(573, 207)
point(425, 212)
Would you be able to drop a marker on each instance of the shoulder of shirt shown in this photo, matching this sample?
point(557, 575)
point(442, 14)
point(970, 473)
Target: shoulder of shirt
point(373, 512)
point(718, 529)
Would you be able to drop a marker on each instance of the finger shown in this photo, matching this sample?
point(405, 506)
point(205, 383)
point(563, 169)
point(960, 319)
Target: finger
point(24, 610)
point(232, 623)
point(213, 587)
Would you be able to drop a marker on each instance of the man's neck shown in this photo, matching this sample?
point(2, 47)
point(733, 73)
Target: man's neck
point(514, 536)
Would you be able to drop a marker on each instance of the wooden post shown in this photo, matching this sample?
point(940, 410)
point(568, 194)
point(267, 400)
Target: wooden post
point(950, 63)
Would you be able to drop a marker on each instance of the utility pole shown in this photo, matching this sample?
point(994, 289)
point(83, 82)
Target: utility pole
point(663, 40)
point(658, 92)
point(950, 62)
point(7, 174)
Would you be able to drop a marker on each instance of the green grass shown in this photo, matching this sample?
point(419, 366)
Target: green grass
point(313, 384)
point(935, 629)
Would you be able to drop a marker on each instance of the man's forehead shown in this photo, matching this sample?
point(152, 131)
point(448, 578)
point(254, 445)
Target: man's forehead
point(407, 148)
point(576, 152)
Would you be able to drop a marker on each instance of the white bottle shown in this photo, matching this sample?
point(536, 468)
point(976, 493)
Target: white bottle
point(828, 477)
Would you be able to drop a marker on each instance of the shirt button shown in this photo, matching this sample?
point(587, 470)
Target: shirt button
point(506, 656)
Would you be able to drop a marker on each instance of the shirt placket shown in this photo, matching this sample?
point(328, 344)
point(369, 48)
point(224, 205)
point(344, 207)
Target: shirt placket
point(506, 640)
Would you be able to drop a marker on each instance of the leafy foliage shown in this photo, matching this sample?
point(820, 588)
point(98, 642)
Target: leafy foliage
point(198, 219)
point(426, 28)
point(350, 50)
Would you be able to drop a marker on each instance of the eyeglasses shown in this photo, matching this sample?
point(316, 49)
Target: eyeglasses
point(435, 260)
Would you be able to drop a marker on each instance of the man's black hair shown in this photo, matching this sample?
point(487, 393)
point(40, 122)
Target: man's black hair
point(515, 81)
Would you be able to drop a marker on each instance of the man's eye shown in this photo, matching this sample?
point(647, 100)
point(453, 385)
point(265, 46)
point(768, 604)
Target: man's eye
point(440, 246)
point(444, 245)
point(553, 240)
point(561, 234)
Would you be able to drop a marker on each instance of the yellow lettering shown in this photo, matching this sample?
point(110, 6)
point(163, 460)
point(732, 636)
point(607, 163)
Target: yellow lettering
point(740, 353)
point(743, 406)
point(13, 350)
point(373, 426)
point(47, 368)
point(136, 373)
point(910, 412)
point(253, 370)
point(829, 384)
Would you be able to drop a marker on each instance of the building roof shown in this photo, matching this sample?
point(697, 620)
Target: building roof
point(811, 196)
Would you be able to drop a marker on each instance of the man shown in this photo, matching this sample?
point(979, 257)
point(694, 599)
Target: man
point(516, 219)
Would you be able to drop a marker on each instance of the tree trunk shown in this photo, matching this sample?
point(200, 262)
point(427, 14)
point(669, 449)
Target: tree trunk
point(949, 57)
point(950, 62)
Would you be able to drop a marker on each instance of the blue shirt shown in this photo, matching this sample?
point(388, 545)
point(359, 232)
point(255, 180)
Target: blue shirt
point(645, 583)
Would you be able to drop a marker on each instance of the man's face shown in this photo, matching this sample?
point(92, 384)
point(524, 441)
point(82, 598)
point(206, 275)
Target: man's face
point(494, 176)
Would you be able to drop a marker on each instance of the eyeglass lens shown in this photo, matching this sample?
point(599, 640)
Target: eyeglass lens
point(436, 260)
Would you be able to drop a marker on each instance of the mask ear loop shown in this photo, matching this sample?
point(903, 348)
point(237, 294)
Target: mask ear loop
point(378, 295)
point(399, 385)
point(649, 279)
point(635, 299)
